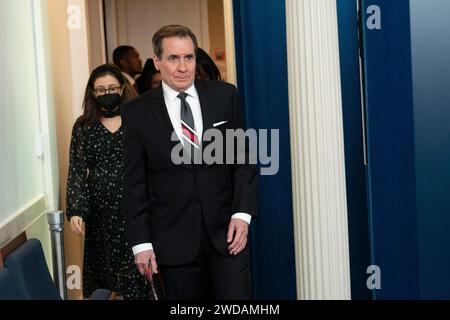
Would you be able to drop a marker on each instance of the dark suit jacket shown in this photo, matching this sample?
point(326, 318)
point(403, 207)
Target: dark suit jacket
point(163, 202)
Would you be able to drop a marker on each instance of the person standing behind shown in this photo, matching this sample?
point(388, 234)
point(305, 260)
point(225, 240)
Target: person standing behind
point(129, 62)
point(94, 192)
point(190, 220)
point(150, 77)
point(206, 68)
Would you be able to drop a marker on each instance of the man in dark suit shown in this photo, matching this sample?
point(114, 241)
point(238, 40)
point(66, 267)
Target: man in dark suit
point(189, 220)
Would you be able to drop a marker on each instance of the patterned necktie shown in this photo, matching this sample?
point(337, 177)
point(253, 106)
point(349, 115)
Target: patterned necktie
point(190, 136)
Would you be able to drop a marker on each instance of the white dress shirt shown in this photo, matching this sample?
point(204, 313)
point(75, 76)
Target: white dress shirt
point(173, 105)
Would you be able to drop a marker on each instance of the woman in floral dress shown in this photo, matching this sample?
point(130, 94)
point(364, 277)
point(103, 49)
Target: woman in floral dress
point(94, 189)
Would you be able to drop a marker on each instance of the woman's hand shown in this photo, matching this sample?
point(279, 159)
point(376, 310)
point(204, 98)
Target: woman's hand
point(76, 225)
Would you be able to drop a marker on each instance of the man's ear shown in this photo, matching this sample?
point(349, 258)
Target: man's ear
point(156, 62)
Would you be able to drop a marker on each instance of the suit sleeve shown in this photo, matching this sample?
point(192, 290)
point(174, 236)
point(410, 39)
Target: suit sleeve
point(136, 195)
point(245, 177)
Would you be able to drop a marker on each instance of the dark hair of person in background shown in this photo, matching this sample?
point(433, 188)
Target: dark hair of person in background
point(206, 68)
point(168, 31)
point(144, 82)
point(120, 53)
point(91, 113)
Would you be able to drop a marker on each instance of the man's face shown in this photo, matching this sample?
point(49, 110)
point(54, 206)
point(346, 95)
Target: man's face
point(133, 63)
point(177, 63)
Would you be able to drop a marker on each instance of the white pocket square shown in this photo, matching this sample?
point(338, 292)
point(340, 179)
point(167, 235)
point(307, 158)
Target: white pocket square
point(219, 123)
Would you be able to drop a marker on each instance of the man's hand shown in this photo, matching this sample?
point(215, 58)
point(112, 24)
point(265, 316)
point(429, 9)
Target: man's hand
point(237, 235)
point(142, 262)
point(76, 225)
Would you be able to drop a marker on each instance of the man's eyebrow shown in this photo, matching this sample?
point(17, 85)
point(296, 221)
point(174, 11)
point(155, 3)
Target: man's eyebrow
point(190, 55)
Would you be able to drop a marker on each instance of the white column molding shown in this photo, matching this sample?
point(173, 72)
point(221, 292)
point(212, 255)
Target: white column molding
point(229, 41)
point(122, 22)
point(317, 148)
point(96, 33)
point(111, 25)
point(204, 20)
point(79, 56)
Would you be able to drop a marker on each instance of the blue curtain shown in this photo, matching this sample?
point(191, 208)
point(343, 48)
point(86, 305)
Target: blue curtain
point(358, 220)
point(390, 140)
point(261, 56)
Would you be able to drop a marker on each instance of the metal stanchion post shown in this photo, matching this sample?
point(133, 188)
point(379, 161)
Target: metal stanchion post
point(56, 223)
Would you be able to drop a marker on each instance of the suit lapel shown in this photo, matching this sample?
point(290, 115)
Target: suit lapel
point(160, 111)
point(206, 107)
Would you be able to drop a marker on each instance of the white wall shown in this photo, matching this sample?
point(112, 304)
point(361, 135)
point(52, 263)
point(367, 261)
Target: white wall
point(133, 22)
point(28, 166)
point(21, 171)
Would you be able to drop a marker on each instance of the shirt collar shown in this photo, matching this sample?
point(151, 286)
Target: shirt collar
point(171, 94)
point(129, 78)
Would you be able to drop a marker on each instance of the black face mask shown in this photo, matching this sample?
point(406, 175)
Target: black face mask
point(109, 104)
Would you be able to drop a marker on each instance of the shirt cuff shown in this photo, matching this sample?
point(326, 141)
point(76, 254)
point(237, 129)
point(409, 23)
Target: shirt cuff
point(142, 247)
point(243, 216)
